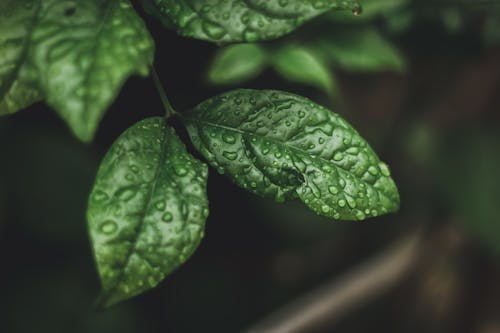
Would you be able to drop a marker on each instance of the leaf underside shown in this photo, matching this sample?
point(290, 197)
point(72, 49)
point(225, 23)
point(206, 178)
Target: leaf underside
point(147, 210)
point(284, 146)
point(225, 21)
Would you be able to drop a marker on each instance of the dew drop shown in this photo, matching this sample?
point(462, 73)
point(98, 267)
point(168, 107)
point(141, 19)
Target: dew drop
point(325, 209)
point(230, 155)
point(108, 227)
point(213, 30)
point(360, 215)
point(160, 205)
point(373, 170)
point(167, 217)
point(180, 171)
point(338, 156)
point(351, 202)
point(228, 138)
point(384, 169)
point(341, 203)
point(99, 196)
point(333, 190)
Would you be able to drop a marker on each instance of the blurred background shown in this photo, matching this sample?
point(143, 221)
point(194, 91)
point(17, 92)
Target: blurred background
point(420, 80)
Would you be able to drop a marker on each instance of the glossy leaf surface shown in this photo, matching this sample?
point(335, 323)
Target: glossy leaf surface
point(225, 21)
point(147, 210)
point(284, 146)
point(17, 18)
point(83, 52)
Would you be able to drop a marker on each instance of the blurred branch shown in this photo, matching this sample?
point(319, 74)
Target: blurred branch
point(332, 301)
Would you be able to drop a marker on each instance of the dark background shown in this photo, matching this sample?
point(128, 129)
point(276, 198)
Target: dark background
point(436, 126)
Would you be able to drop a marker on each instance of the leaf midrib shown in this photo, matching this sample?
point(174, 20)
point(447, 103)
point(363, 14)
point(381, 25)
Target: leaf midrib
point(297, 149)
point(142, 217)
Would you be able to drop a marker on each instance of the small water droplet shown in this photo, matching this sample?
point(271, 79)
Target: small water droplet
point(180, 171)
point(230, 155)
point(338, 156)
point(108, 227)
point(160, 205)
point(342, 203)
point(333, 190)
point(99, 196)
point(325, 209)
point(228, 138)
point(167, 217)
point(351, 202)
point(373, 170)
point(384, 169)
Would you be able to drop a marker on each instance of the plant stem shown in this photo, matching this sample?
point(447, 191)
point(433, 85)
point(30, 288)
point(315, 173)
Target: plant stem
point(169, 110)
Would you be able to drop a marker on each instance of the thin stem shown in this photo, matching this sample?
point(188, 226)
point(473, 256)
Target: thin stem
point(169, 110)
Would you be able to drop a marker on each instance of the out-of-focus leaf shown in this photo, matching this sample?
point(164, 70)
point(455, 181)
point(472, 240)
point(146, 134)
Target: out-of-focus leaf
point(17, 18)
point(363, 49)
point(467, 174)
point(491, 30)
point(299, 64)
point(237, 63)
point(283, 146)
point(147, 210)
point(225, 21)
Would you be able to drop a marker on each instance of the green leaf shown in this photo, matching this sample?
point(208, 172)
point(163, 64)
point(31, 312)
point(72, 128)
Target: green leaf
point(147, 210)
point(301, 65)
point(284, 146)
point(237, 63)
point(362, 49)
point(16, 22)
point(225, 21)
point(83, 52)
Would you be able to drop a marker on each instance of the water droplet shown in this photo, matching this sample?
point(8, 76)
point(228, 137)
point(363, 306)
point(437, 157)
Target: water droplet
point(342, 203)
point(230, 155)
point(338, 156)
point(373, 170)
point(213, 30)
point(384, 169)
point(325, 209)
point(351, 202)
point(321, 141)
point(333, 190)
point(357, 10)
point(108, 227)
point(302, 114)
point(180, 170)
point(360, 215)
point(160, 205)
point(99, 196)
point(167, 217)
point(205, 212)
point(228, 138)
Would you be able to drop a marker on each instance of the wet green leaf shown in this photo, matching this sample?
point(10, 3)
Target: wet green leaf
point(284, 146)
point(225, 21)
point(147, 210)
point(362, 49)
point(17, 18)
point(299, 64)
point(237, 63)
point(83, 52)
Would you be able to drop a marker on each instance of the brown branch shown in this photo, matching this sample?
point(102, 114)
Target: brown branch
point(332, 301)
